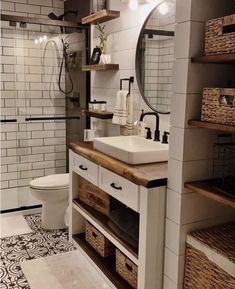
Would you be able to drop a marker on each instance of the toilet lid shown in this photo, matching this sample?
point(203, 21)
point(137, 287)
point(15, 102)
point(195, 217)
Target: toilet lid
point(58, 181)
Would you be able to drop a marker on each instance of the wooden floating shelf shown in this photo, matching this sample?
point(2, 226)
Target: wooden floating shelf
point(101, 16)
point(100, 67)
point(207, 189)
point(100, 115)
point(215, 59)
point(102, 221)
point(211, 125)
point(106, 265)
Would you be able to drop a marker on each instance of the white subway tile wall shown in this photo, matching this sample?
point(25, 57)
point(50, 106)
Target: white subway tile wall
point(29, 89)
point(190, 149)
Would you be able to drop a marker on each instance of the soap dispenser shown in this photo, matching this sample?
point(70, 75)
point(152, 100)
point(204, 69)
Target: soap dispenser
point(148, 135)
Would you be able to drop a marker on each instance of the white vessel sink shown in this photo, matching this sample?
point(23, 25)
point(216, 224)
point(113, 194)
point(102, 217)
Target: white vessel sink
point(132, 149)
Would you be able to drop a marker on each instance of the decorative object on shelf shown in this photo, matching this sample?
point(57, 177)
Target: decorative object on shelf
point(97, 5)
point(93, 196)
point(210, 258)
point(125, 223)
point(224, 165)
point(98, 241)
point(98, 106)
point(104, 58)
point(95, 58)
point(220, 35)
point(126, 268)
point(218, 105)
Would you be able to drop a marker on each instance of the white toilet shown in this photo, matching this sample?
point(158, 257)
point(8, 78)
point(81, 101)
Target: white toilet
point(53, 192)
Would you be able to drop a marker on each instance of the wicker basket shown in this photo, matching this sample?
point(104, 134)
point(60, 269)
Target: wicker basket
point(213, 108)
point(220, 36)
point(126, 268)
point(93, 196)
point(98, 241)
point(210, 258)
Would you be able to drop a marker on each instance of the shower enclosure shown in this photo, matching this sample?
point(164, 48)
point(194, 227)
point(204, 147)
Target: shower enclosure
point(42, 95)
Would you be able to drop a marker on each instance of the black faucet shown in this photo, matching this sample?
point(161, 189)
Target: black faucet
point(157, 131)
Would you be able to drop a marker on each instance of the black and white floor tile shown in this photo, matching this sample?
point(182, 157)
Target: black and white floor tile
point(40, 243)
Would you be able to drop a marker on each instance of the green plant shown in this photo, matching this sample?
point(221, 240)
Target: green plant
point(103, 38)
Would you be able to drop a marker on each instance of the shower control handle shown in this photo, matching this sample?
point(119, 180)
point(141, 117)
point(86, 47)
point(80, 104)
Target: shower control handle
point(82, 168)
point(116, 188)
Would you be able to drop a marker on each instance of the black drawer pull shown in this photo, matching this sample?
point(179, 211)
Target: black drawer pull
point(116, 188)
point(82, 168)
point(94, 235)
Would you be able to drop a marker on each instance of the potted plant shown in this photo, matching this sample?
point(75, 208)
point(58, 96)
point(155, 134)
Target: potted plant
point(104, 58)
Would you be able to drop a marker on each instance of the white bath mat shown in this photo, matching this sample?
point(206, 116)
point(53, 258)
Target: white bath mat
point(63, 271)
point(13, 225)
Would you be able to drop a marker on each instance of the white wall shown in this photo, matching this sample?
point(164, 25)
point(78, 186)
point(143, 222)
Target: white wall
point(122, 41)
point(191, 150)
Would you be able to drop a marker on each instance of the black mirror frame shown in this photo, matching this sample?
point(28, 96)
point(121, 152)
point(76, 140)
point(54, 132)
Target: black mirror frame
point(137, 65)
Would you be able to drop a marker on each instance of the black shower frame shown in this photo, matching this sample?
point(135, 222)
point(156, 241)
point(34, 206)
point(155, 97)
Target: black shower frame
point(59, 23)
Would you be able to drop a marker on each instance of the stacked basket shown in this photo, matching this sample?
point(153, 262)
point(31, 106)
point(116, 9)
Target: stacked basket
point(210, 258)
point(218, 104)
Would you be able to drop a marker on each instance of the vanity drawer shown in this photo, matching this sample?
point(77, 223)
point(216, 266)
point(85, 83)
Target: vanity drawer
point(120, 188)
point(85, 168)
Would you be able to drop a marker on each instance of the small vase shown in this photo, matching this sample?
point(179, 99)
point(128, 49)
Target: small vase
point(105, 59)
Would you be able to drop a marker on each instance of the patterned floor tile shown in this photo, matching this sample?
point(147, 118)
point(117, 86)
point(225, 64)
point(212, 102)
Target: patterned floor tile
point(40, 243)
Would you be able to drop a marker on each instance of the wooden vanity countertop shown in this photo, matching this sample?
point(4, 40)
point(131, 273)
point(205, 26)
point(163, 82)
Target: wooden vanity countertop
point(146, 175)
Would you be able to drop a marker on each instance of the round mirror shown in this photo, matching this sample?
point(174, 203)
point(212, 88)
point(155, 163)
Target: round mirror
point(154, 57)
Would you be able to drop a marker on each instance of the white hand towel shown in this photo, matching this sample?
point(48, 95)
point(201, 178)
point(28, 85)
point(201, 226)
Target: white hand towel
point(120, 110)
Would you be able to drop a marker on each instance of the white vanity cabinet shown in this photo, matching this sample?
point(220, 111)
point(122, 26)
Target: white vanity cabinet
point(148, 202)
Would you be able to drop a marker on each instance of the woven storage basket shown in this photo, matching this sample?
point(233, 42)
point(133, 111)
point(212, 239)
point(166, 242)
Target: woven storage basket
point(210, 258)
point(220, 36)
point(98, 241)
point(126, 268)
point(213, 110)
point(93, 196)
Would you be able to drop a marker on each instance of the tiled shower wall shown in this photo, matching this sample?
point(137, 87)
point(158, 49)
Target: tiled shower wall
point(159, 52)
point(29, 89)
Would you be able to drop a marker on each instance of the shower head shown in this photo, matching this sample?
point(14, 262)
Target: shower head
point(60, 17)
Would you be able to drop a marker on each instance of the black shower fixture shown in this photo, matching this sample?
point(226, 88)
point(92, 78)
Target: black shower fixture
point(60, 17)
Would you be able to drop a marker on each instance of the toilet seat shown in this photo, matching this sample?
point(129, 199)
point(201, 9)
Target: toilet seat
point(51, 182)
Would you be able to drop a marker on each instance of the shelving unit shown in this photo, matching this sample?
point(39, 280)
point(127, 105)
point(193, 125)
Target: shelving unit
point(100, 115)
point(100, 67)
point(207, 189)
point(210, 125)
point(106, 265)
point(97, 218)
point(215, 59)
point(101, 16)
